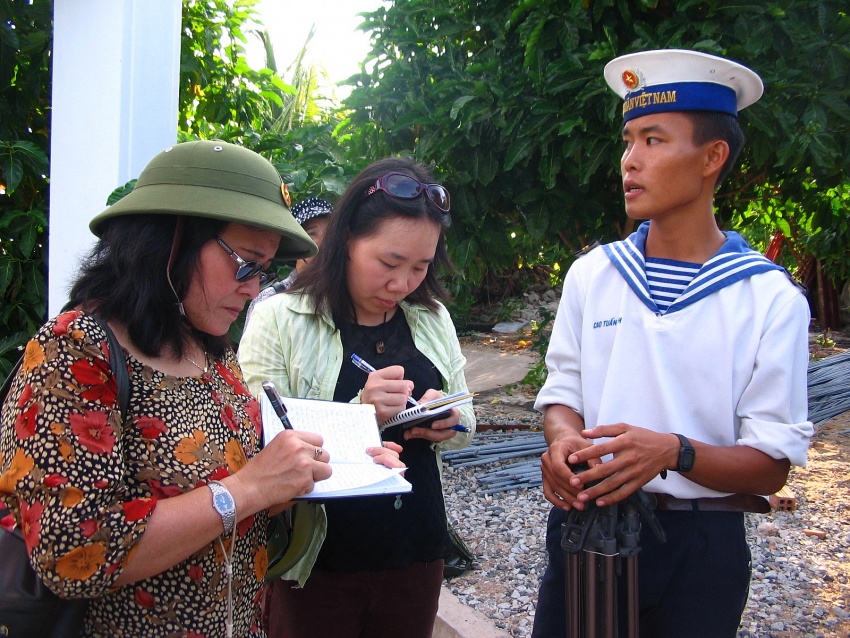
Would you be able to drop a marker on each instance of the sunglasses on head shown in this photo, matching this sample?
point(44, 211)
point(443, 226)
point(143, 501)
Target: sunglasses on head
point(406, 187)
point(248, 269)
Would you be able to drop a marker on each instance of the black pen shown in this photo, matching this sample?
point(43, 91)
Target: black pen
point(277, 404)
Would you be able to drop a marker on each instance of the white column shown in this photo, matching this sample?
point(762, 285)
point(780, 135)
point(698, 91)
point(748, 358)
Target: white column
point(116, 68)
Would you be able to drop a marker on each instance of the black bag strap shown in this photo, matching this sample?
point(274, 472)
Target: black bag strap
point(117, 365)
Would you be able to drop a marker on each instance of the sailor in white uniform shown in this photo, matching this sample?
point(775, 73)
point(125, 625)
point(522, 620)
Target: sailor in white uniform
point(678, 358)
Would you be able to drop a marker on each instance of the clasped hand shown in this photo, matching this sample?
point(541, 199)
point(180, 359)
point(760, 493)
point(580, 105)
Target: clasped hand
point(638, 456)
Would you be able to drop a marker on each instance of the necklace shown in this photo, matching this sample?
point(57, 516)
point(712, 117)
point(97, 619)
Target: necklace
point(379, 344)
point(204, 369)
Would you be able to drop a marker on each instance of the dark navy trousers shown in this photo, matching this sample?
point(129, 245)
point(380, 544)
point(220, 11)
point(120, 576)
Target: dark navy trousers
point(693, 586)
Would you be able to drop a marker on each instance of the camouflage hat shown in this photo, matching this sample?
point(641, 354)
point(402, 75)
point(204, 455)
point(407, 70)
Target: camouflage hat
point(217, 180)
point(311, 208)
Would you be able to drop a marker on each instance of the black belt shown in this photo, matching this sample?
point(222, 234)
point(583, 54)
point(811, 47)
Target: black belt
point(731, 503)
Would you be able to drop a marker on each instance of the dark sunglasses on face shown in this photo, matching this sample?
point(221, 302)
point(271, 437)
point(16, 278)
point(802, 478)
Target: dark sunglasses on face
point(406, 187)
point(248, 269)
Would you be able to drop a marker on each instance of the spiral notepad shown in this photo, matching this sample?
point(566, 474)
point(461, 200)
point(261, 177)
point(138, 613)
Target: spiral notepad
point(429, 410)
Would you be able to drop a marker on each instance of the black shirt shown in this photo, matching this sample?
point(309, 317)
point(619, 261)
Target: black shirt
point(386, 532)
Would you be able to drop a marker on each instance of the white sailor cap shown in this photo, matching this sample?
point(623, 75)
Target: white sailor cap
point(681, 80)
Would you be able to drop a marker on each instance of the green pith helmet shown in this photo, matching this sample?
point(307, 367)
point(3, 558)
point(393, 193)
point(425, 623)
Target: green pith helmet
point(217, 180)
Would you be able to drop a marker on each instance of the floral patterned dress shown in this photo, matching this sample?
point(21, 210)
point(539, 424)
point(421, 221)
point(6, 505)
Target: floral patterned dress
point(82, 484)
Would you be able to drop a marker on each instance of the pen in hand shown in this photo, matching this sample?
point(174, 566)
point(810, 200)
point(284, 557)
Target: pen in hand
point(367, 368)
point(277, 403)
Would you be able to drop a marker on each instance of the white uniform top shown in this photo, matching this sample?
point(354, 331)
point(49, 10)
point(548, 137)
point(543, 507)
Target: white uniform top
point(725, 365)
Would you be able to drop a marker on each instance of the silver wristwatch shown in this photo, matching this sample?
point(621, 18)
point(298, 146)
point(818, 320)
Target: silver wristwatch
point(224, 504)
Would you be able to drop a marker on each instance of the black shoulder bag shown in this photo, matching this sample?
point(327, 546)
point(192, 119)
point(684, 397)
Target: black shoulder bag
point(28, 609)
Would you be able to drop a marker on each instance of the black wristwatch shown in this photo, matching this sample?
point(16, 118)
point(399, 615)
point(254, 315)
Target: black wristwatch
point(687, 454)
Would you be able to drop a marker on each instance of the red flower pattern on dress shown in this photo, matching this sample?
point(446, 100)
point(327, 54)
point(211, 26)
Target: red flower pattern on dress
point(151, 427)
point(31, 523)
point(138, 508)
point(61, 363)
point(232, 379)
point(228, 417)
point(25, 422)
point(252, 410)
point(26, 394)
point(97, 375)
point(93, 431)
point(60, 327)
point(89, 527)
point(144, 599)
point(55, 480)
point(8, 522)
point(245, 525)
point(160, 491)
point(219, 473)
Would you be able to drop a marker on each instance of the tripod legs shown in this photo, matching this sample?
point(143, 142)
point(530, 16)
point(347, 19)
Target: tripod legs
point(632, 595)
point(600, 545)
point(609, 591)
point(591, 554)
point(573, 593)
point(591, 579)
point(591, 595)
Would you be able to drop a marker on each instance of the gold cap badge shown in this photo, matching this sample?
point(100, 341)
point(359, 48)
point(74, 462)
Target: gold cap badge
point(631, 79)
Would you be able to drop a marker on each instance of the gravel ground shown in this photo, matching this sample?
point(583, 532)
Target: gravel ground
point(800, 557)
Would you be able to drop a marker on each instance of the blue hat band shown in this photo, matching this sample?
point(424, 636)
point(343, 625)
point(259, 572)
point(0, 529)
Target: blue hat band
point(680, 96)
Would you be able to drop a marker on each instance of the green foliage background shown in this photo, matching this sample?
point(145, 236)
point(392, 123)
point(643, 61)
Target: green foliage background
point(24, 126)
point(504, 98)
point(222, 97)
point(508, 100)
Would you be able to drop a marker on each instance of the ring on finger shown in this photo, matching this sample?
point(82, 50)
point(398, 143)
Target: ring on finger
point(318, 453)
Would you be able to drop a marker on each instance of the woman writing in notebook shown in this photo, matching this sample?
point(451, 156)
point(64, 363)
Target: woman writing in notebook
point(373, 292)
point(154, 506)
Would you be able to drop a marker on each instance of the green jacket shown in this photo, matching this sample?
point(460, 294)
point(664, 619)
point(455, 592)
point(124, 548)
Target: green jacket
point(300, 351)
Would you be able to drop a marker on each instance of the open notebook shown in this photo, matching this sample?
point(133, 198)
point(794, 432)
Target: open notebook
point(347, 429)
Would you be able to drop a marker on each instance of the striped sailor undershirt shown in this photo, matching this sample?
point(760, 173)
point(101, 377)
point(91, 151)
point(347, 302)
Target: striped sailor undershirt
point(734, 262)
point(667, 279)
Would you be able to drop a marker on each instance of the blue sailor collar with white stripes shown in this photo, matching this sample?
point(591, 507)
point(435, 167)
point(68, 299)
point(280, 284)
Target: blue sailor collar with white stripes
point(733, 262)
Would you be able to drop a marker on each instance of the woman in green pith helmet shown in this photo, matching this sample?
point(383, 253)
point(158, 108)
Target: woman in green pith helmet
point(147, 516)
